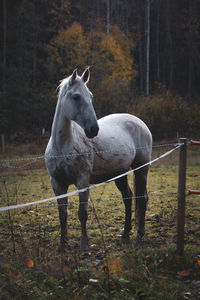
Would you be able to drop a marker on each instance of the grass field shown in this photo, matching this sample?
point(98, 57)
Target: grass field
point(31, 268)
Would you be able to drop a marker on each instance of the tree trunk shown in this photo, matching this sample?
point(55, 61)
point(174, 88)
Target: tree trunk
point(4, 42)
point(35, 44)
point(147, 31)
point(190, 45)
point(127, 14)
point(108, 16)
point(140, 49)
point(158, 42)
point(170, 49)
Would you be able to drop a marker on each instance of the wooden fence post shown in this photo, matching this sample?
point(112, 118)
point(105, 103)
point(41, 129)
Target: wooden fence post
point(181, 197)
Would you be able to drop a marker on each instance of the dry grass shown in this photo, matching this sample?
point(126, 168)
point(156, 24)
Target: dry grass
point(31, 268)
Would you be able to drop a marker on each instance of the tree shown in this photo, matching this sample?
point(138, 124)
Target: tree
point(147, 32)
point(68, 49)
point(4, 40)
point(108, 16)
point(113, 71)
point(135, 46)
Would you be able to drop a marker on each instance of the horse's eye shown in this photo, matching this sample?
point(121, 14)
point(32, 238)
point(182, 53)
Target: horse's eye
point(76, 97)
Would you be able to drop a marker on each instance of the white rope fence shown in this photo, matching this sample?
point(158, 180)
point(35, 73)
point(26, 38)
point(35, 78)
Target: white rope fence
point(75, 192)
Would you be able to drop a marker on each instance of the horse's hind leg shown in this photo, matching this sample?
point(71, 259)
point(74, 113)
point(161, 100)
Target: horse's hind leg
point(122, 185)
point(141, 199)
point(62, 208)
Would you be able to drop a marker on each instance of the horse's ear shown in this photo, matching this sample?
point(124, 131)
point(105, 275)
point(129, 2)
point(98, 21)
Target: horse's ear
point(86, 75)
point(73, 77)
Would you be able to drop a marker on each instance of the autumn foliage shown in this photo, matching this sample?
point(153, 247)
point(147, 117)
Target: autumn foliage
point(168, 115)
point(44, 41)
point(110, 54)
point(69, 48)
point(113, 79)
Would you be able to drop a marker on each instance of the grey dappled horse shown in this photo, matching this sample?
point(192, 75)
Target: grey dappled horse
point(82, 150)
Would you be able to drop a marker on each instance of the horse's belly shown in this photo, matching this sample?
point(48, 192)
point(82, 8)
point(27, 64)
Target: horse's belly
point(108, 166)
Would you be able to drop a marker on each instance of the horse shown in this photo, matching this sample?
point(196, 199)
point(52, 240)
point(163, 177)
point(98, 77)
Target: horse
point(84, 151)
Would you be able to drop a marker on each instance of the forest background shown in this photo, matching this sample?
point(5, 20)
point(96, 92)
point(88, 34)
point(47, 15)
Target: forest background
point(145, 53)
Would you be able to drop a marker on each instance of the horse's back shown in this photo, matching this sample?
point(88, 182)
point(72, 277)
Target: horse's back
point(125, 128)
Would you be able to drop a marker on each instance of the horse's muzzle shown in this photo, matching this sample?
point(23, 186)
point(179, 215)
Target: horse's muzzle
point(92, 132)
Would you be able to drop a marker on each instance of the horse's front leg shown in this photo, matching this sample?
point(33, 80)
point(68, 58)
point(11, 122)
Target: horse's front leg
point(83, 216)
point(62, 208)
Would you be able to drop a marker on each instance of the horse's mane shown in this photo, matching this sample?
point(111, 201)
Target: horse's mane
point(63, 86)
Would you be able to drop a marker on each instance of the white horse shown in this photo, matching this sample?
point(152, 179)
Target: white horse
point(82, 150)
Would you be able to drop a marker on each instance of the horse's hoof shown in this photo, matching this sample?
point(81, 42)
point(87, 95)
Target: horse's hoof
point(61, 249)
point(138, 240)
point(125, 239)
point(84, 249)
point(84, 245)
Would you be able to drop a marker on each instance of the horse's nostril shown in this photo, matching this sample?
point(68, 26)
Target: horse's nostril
point(94, 130)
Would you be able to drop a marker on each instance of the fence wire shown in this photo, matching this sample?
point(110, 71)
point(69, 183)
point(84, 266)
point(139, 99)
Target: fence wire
point(75, 192)
point(5, 163)
point(39, 224)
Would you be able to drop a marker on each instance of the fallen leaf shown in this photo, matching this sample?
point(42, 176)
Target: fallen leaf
point(14, 274)
point(151, 234)
point(198, 262)
point(29, 263)
point(184, 273)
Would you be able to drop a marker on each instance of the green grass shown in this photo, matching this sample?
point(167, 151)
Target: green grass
point(31, 268)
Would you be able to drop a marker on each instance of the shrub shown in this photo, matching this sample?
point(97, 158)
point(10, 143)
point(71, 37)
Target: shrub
point(169, 115)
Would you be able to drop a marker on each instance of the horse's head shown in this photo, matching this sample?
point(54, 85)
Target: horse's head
point(76, 101)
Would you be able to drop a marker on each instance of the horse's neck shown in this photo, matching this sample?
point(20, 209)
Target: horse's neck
point(61, 128)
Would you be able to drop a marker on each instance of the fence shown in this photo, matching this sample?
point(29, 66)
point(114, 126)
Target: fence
point(181, 187)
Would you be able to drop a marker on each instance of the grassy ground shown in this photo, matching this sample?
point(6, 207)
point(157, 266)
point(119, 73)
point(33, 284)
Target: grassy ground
point(31, 268)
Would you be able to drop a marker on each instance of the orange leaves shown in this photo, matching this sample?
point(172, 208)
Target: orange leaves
point(14, 274)
point(113, 52)
point(70, 48)
point(29, 263)
point(183, 273)
point(198, 262)
point(12, 271)
point(151, 235)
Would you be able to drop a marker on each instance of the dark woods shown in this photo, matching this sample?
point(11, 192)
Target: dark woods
point(146, 57)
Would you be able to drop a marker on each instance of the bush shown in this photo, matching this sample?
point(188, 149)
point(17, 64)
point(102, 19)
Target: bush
point(169, 116)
